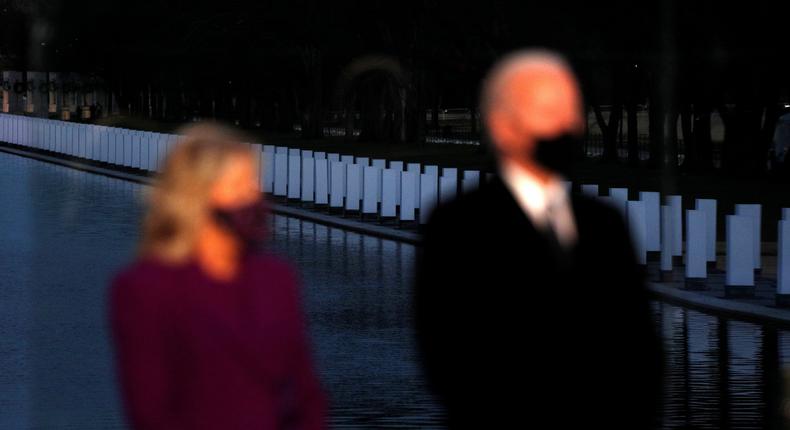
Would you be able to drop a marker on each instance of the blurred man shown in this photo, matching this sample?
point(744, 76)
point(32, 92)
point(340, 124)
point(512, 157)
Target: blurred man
point(531, 309)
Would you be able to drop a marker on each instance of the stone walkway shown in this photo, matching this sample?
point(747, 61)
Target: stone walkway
point(761, 307)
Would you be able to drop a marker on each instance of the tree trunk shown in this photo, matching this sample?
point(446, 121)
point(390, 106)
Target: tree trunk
point(671, 141)
point(435, 111)
point(767, 132)
point(690, 153)
point(609, 130)
point(656, 130)
point(415, 106)
point(348, 117)
point(633, 132)
point(702, 137)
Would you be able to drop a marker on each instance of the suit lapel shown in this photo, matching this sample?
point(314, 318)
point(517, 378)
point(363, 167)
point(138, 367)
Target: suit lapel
point(512, 210)
point(506, 201)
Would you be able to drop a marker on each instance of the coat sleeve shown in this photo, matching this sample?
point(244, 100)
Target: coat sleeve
point(436, 275)
point(139, 329)
point(647, 363)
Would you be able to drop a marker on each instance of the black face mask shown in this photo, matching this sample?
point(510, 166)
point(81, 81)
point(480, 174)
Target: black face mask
point(556, 153)
point(247, 223)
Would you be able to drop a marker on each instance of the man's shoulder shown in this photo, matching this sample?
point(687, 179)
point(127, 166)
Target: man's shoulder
point(594, 206)
point(471, 204)
point(595, 215)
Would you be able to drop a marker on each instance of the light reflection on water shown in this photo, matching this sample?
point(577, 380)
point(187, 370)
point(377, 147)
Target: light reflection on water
point(65, 232)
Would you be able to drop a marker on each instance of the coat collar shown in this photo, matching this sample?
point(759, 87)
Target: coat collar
point(501, 193)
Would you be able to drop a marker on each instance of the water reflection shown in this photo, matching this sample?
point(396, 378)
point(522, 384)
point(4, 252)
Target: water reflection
point(65, 232)
point(721, 373)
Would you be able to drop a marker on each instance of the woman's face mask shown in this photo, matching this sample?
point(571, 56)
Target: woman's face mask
point(247, 223)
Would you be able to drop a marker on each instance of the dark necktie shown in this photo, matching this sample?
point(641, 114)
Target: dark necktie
point(560, 252)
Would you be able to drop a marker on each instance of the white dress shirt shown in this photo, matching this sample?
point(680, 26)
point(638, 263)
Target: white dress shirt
point(539, 201)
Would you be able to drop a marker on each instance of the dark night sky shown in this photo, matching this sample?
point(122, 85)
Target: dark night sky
point(284, 62)
point(686, 51)
point(448, 35)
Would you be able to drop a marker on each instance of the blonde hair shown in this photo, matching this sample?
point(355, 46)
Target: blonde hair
point(179, 201)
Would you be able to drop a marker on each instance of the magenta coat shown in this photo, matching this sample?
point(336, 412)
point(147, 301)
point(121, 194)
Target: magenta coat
point(196, 353)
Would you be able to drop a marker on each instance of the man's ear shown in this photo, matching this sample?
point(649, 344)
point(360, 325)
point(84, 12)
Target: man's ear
point(500, 127)
point(577, 126)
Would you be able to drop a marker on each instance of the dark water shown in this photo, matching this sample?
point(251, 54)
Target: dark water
point(64, 233)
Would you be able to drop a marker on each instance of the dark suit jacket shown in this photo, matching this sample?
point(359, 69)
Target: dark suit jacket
point(511, 334)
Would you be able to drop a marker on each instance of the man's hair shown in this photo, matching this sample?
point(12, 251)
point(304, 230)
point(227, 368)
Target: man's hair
point(511, 63)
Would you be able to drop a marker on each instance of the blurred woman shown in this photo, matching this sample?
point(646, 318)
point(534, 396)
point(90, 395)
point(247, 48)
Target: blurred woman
point(208, 327)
